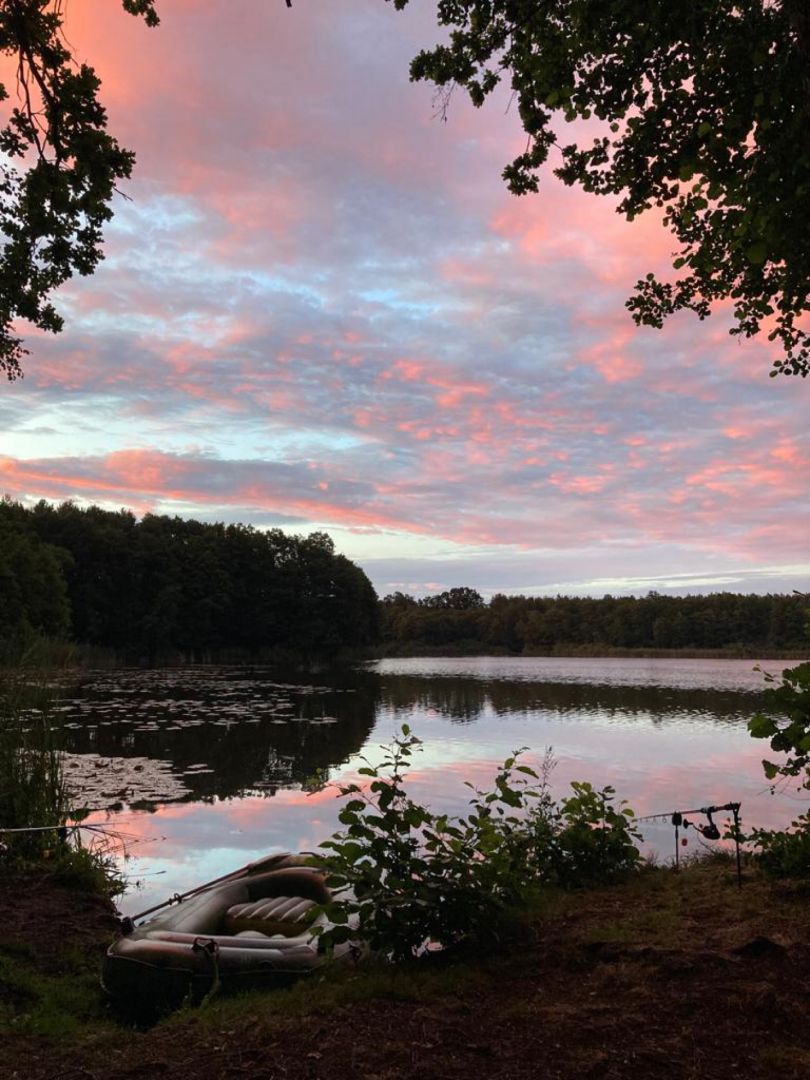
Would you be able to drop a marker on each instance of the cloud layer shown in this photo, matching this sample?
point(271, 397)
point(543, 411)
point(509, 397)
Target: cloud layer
point(323, 309)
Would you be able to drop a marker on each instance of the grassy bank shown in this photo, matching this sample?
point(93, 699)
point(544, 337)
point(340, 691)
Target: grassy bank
point(671, 976)
point(53, 931)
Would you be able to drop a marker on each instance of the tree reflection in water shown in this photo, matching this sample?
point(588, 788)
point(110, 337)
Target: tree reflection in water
point(199, 734)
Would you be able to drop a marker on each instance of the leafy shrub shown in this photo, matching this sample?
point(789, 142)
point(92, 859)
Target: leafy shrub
point(591, 842)
point(405, 877)
point(785, 854)
point(785, 721)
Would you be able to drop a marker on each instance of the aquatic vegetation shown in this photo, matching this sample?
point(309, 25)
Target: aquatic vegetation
point(157, 736)
point(38, 803)
point(33, 792)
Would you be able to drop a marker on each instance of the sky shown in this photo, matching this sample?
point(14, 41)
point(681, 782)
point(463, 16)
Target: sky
point(321, 308)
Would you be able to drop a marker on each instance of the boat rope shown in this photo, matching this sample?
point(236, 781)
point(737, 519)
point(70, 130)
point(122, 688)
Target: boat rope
point(210, 953)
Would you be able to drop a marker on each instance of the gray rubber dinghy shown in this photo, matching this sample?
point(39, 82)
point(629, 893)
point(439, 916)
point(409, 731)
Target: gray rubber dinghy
point(253, 928)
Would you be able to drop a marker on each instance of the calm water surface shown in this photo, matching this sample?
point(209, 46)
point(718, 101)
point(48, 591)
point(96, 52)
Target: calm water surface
point(205, 769)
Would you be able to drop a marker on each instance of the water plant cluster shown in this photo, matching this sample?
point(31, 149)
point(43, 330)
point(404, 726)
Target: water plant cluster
point(33, 792)
point(37, 804)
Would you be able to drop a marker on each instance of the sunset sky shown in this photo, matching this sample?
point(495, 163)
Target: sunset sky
point(322, 309)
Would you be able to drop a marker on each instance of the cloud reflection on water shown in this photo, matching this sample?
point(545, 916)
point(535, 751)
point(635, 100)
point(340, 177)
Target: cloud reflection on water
point(670, 747)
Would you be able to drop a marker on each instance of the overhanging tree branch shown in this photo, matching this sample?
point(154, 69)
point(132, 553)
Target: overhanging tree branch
point(59, 169)
point(704, 107)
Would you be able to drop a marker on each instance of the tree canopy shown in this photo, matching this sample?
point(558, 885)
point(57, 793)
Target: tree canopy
point(164, 587)
point(59, 167)
point(699, 108)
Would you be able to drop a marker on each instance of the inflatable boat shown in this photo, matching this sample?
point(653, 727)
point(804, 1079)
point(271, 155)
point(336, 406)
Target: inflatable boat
point(255, 927)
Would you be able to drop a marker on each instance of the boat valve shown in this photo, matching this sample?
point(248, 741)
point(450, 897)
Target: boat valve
point(205, 944)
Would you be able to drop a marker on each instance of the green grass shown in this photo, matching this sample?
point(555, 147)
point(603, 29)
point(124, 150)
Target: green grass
point(61, 1001)
point(338, 986)
point(343, 984)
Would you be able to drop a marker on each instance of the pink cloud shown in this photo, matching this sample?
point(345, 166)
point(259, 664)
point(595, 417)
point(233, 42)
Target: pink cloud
point(309, 313)
point(578, 485)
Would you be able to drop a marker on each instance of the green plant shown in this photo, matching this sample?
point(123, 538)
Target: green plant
point(35, 801)
point(405, 878)
point(784, 854)
point(591, 841)
point(33, 793)
point(90, 869)
point(785, 720)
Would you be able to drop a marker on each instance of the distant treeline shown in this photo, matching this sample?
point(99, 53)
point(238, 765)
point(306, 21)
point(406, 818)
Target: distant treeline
point(164, 589)
point(460, 620)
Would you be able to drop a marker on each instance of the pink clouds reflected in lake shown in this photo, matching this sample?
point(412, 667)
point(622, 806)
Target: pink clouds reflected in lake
point(207, 769)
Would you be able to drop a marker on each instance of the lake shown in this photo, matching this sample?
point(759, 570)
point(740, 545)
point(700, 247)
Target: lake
point(204, 769)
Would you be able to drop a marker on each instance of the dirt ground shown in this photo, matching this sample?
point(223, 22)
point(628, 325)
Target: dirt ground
point(675, 977)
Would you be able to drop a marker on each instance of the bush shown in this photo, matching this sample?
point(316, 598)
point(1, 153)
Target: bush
point(591, 842)
point(785, 721)
point(406, 878)
point(87, 869)
point(784, 854)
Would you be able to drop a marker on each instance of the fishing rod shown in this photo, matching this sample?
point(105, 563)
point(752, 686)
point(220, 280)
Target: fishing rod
point(699, 810)
point(66, 828)
point(41, 828)
point(70, 831)
point(95, 827)
point(709, 831)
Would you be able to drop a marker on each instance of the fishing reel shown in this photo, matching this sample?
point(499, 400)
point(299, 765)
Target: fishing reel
point(709, 831)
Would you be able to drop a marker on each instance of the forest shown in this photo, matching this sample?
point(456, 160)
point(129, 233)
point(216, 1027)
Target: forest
point(459, 620)
point(163, 589)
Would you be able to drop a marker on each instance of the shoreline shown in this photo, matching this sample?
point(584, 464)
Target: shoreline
point(472, 650)
point(590, 652)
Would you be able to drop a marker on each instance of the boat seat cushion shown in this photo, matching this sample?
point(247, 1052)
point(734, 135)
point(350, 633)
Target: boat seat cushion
point(287, 915)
